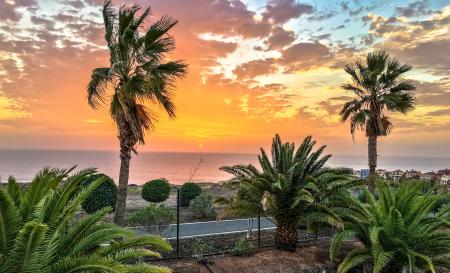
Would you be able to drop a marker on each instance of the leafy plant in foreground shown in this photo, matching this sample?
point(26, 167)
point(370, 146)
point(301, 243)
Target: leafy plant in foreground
point(38, 231)
point(397, 232)
point(291, 188)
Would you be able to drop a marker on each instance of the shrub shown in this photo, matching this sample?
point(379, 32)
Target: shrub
point(103, 196)
point(188, 192)
point(242, 247)
point(156, 217)
point(156, 191)
point(202, 206)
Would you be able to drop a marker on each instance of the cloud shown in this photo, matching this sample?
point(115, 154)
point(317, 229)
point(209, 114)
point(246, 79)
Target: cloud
point(280, 38)
point(304, 56)
point(329, 107)
point(281, 11)
point(414, 9)
point(255, 68)
point(442, 112)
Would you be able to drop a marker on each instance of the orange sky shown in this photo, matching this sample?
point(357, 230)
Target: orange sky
point(256, 69)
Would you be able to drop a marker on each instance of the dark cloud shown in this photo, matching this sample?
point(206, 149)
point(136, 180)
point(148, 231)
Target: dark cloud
point(341, 98)
point(281, 11)
point(255, 68)
point(304, 56)
point(280, 38)
point(320, 16)
point(8, 10)
point(414, 9)
point(329, 107)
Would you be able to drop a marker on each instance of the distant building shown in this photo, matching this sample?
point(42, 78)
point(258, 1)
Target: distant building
point(397, 175)
point(445, 180)
point(412, 174)
point(364, 173)
point(382, 173)
point(428, 176)
point(445, 172)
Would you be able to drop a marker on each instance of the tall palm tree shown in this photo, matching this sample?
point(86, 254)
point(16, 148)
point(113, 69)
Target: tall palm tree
point(40, 230)
point(377, 90)
point(397, 232)
point(290, 189)
point(136, 75)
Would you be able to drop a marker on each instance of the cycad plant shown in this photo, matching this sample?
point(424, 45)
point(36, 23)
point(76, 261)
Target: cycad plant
point(378, 89)
point(291, 188)
point(39, 232)
point(137, 76)
point(397, 231)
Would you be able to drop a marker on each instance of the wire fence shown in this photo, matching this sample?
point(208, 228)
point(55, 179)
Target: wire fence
point(203, 238)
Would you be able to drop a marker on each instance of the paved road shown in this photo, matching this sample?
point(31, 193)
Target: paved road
point(208, 228)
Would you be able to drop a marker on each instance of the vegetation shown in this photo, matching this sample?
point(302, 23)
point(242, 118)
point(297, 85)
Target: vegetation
point(378, 90)
point(38, 231)
point(396, 231)
point(242, 247)
point(136, 75)
point(202, 206)
point(188, 192)
point(103, 196)
point(156, 191)
point(292, 188)
point(156, 217)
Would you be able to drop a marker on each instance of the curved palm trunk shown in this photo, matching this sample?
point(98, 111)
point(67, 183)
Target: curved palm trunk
point(126, 145)
point(372, 162)
point(286, 236)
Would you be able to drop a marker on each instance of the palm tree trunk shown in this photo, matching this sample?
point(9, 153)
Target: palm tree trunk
point(126, 145)
point(286, 236)
point(119, 216)
point(372, 162)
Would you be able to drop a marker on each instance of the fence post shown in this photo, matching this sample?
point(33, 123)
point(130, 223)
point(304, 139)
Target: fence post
point(178, 222)
point(259, 231)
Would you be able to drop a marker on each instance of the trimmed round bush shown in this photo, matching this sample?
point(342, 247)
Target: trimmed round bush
point(156, 191)
point(188, 192)
point(103, 196)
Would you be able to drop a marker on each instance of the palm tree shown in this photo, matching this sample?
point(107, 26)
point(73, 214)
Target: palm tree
point(136, 75)
point(378, 90)
point(292, 188)
point(397, 231)
point(40, 230)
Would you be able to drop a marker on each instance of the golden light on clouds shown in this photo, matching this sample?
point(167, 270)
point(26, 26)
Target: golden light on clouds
point(256, 68)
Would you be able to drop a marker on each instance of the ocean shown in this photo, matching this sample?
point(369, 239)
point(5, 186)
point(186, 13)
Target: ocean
point(176, 167)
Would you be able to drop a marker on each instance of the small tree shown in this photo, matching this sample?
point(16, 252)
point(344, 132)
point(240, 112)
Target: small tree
point(156, 191)
point(188, 192)
point(202, 206)
point(103, 196)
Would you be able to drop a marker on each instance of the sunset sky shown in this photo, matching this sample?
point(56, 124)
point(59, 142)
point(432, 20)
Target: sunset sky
point(256, 68)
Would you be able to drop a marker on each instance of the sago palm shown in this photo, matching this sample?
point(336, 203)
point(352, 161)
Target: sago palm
point(378, 90)
point(397, 232)
point(39, 232)
point(290, 189)
point(137, 75)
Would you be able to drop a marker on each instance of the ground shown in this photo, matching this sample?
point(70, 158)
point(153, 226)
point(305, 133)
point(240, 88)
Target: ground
point(313, 257)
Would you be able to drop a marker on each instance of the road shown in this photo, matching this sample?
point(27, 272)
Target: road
point(208, 228)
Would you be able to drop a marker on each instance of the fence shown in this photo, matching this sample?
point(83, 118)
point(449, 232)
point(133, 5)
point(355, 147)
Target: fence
point(191, 239)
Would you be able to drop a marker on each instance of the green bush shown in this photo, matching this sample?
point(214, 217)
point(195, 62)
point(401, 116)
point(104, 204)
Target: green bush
point(156, 217)
point(201, 248)
point(202, 206)
point(103, 196)
point(242, 247)
point(188, 192)
point(156, 191)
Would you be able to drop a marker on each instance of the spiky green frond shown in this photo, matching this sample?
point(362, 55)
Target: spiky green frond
point(396, 228)
point(39, 231)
